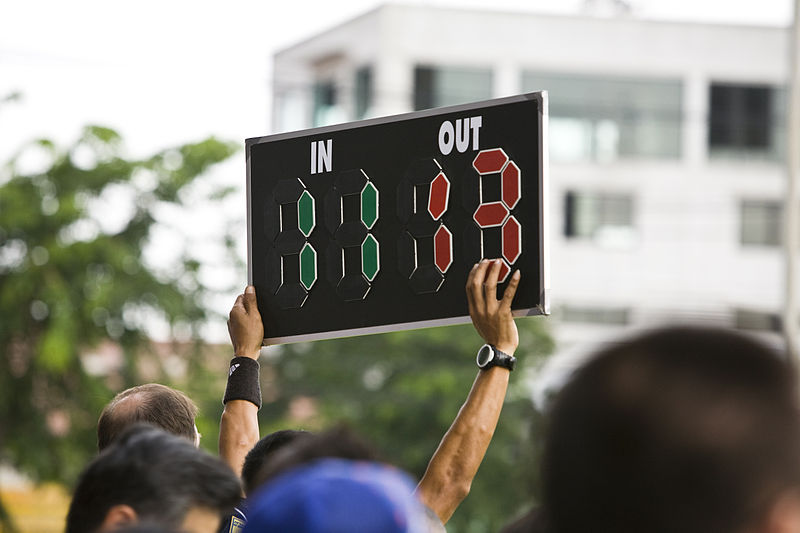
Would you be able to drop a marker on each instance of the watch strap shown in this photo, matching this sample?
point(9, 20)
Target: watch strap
point(500, 359)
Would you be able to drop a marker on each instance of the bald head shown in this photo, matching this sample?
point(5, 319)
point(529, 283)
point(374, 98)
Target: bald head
point(155, 404)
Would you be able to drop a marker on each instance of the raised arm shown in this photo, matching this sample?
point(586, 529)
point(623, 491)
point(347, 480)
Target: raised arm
point(238, 427)
point(450, 472)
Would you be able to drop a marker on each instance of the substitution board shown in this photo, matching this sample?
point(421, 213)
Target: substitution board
point(373, 226)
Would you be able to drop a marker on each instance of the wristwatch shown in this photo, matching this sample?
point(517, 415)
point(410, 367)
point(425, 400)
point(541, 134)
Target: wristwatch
point(489, 356)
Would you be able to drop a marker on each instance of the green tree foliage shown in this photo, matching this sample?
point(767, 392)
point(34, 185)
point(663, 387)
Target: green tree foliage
point(402, 391)
point(68, 283)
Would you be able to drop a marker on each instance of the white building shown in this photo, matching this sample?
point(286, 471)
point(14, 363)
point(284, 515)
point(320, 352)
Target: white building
point(666, 144)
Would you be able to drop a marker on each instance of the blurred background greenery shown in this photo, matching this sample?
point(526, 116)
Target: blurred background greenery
point(78, 300)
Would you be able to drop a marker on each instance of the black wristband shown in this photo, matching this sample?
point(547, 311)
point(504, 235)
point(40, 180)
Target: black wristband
point(243, 383)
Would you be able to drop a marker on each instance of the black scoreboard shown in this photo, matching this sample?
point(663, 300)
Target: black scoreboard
point(373, 226)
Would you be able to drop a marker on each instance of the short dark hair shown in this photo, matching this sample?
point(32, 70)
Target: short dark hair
point(155, 404)
point(160, 476)
point(339, 442)
point(679, 429)
point(263, 451)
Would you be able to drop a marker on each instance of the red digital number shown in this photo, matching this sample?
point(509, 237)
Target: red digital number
point(498, 213)
point(425, 247)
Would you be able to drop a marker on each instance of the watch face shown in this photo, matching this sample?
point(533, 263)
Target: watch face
point(485, 355)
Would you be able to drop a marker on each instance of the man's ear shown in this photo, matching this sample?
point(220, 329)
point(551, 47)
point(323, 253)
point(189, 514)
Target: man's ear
point(784, 514)
point(118, 516)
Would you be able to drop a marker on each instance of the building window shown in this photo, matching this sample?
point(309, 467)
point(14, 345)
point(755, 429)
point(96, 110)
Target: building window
point(756, 320)
point(604, 217)
point(443, 86)
point(363, 92)
point(290, 110)
point(326, 111)
point(761, 223)
point(745, 121)
point(596, 118)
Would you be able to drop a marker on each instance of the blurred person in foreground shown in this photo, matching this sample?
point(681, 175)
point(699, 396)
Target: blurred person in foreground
point(318, 502)
point(679, 430)
point(265, 451)
point(149, 477)
point(261, 454)
point(338, 495)
point(449, 475)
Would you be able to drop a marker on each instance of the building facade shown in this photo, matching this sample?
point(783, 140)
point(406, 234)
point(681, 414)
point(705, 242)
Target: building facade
point(666, 145)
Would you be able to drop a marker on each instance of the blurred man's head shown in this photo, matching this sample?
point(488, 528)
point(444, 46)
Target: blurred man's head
point(155, 404)
point(328, 495)
point(264, 450)
point(339, 442)
point(148, 476)
point(679, 430)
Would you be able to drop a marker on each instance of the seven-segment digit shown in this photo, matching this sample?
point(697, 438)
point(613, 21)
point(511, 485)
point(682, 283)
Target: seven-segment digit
point(425, 247)
point(292, 264)
point(497, 213)
point(353, 256)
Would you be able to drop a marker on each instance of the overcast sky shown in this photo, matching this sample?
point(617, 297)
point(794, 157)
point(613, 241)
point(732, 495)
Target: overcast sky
point(166, 72)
